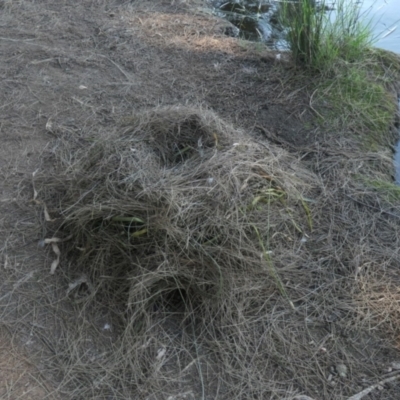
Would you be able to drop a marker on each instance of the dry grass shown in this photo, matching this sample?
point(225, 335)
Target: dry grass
point(19, 378)
point(226, 269)
point(174, 220)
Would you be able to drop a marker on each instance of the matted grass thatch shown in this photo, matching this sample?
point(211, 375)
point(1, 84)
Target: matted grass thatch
point(224, 262)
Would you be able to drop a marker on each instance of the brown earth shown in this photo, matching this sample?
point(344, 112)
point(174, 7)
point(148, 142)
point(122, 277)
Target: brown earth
point(73, 67)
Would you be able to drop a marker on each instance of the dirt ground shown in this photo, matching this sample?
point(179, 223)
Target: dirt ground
point(73, 67)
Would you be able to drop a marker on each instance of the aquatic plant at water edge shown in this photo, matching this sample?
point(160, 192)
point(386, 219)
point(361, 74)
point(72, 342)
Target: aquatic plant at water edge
point(318, 34)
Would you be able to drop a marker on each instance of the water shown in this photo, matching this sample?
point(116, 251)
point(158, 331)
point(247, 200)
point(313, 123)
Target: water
point(385, 19)
point(258, 20)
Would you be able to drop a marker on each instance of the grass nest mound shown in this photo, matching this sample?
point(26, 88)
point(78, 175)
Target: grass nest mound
point(200, 242)
point(179, 202)
point(176, 216)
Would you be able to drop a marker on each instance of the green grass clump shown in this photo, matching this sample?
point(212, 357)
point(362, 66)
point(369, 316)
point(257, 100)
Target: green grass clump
point(357, 98)
point(304, 30)
point(318, 35)
point(389, 191)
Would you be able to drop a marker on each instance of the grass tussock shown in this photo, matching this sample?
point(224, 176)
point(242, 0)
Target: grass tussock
point(356, 100)
point(216, 260)
point(320, 33)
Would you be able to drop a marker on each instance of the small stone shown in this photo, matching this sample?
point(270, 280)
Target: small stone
point(341, 369)
point(161, 353)
point(396, 365)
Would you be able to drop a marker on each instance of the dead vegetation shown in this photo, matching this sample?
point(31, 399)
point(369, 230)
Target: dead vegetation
point(227, 268)
point(178, 222)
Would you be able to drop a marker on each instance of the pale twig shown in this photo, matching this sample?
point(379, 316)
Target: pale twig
point(369, 389)
point(311, 106)
point(126, 74)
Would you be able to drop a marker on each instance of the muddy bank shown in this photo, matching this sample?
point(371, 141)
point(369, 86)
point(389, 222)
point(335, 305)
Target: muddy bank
point(322, 295)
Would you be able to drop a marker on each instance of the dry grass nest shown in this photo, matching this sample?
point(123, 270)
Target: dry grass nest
point(200, 243)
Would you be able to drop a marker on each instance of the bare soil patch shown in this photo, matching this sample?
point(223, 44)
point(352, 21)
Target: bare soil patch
point(123, 110)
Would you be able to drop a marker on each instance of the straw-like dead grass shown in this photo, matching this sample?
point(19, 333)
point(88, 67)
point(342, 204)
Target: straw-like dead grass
point(175, 220)
point(229, 269)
